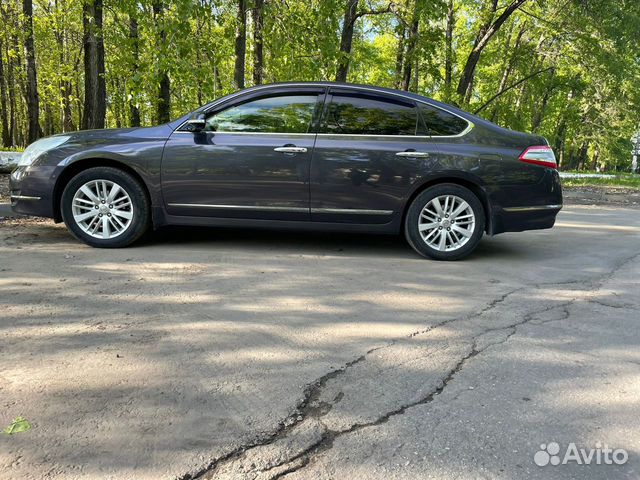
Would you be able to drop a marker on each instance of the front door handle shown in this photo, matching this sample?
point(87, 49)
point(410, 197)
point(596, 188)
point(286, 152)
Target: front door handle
point(290, 149)
point(412, 154)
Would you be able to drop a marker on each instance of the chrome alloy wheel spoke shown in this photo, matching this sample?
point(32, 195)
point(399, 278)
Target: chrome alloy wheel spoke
point(446, 223)
point(102, 209)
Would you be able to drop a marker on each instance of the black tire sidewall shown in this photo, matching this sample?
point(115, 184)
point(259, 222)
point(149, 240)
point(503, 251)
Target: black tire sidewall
point(411, 221)
point(136, 192)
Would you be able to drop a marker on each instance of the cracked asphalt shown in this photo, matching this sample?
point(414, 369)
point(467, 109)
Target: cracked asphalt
point(259, 355)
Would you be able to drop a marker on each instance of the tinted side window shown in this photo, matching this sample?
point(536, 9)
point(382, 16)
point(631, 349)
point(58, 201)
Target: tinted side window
point(284, 114)
point(362, 115)
point(439, 122)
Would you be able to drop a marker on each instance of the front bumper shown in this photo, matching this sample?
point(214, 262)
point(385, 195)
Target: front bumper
point(32, 191)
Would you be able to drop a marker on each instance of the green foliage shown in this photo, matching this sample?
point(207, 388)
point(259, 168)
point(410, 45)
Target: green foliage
point(621, 180)
point(18, 425)
point(567, 70)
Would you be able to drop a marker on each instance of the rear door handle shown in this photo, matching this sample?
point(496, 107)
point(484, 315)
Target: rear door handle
point(290, 149)
point(412, 154)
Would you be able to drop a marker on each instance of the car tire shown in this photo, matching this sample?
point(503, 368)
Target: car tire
point(448, 211)
point(105, 207)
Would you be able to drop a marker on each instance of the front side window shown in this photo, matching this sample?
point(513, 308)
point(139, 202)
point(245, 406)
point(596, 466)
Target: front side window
point(441, 123)
point(283, 114)
point(363, 115)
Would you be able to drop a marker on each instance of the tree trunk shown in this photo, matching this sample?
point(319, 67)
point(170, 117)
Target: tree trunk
point(258, 56)
point(95, 90)
point(540, 110)
point(400, 55)
point(346, 40)
point(33, 100)
point(448, 53)
point(164, 83)
point(49, 125)
point(412, 40)
point(217, 82)
point(134, 110)
point(510, 55)
point(241, 44)
point(485, 33)
point(65, 84)
point(6, 137)
point(559, 142)
point(11, 82)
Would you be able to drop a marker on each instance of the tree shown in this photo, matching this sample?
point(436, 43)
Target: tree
point(240, 45)
point(6, 139)
point(33, 100)
point(351, 14)
point(448, 47)
point(486, 31)
point(164, 82)
point(258, 47)
point(411, 42)
point(134, 110)
point(95, 94)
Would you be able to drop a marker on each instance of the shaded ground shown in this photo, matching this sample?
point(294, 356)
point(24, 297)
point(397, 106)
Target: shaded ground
point(250, 354)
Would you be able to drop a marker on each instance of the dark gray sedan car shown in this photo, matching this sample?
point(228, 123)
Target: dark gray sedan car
point(319, 156)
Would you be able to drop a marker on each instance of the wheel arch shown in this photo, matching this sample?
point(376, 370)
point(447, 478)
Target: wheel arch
point(472, 185)
point(78, 166)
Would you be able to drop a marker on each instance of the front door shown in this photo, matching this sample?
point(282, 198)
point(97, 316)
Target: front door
point(367, 157)
point(252, 159)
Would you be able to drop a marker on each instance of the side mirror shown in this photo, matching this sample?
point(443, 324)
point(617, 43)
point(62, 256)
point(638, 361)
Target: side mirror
point(195, 123)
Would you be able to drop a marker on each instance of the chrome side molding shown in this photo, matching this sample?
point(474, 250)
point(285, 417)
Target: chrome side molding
point(532, 208)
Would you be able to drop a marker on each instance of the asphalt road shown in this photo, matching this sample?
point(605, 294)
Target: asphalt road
point(255, 355)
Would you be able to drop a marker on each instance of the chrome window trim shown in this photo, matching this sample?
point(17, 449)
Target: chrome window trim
point(251, 133)
point(361, 135)
point(532, 208)
point(232, 96)
point(470, 124)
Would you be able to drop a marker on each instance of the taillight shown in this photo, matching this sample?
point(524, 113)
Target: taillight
point(539, 155)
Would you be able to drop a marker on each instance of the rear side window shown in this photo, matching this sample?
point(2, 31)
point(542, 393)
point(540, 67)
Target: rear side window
point(441, 123)
point(364, 115)
point(282, 114)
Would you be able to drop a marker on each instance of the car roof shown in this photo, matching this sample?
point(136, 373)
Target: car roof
point(373, 88)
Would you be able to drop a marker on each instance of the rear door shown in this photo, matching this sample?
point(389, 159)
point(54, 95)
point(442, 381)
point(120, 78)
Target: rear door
point(251, 161)
point(367, 156)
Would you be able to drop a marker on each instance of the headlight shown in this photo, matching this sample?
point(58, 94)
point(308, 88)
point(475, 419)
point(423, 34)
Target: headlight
point(39, 147)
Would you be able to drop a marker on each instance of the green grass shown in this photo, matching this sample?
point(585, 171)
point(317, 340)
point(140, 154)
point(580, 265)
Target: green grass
point(11, 149)
point(627, 180)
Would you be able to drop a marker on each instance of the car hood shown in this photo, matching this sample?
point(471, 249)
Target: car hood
point(111, 135)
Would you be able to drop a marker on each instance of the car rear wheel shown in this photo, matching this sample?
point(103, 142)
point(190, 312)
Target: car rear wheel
point(445, 222)
point(105, 207)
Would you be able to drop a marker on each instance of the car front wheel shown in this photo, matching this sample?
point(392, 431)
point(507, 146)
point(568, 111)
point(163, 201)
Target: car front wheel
point(105, 207)
point(445, 222)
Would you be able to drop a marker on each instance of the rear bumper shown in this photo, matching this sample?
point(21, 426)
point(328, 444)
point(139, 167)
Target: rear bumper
point(530, 207)
point(519, 219)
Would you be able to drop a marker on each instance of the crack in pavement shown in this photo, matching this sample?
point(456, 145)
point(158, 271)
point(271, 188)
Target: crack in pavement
point(314, 424)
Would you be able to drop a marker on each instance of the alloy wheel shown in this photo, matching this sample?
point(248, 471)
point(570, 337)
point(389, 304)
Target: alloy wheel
point(102, 209)
point(446, 223)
